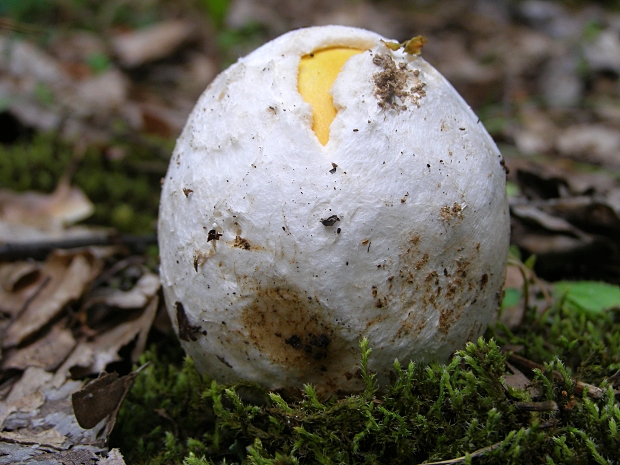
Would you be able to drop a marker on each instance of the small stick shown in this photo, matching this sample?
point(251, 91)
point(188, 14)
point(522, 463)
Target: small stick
point(544, 406)
point(39, 250)
point(482, 451)
point(473, 455)
point(593, 391)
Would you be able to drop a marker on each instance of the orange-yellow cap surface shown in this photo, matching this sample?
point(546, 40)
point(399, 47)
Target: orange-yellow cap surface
point(317, 73)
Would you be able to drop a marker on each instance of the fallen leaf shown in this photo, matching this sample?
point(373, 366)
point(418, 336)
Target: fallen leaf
point(19, 282)
point(48, 212)
point(40, 413)
point(101, 398)
point(68, 277)
point(47, 352)
point(23, 59)
point(114, 457)
point(144, 290)
point(536, 133)
point(593, 142)
point(517, 380)
point(151, 43)
point(568, 214)
point(587, 296)
point(92, 357)
point(546, 221)
point(13, 276)
point(97, 97)
point(25, 395)
point(27, 454)
point(603, 53)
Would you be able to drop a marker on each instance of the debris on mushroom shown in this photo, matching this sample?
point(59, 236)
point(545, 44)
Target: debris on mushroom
point(269, 292)
point(330, 221)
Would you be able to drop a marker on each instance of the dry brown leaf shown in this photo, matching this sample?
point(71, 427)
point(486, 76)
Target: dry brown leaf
point(47, 353)
point(18, 454)
point(569, 216)
point(68, 275)
point(541, 244)
point(48, 212)
point(24, 60)
point(152, 43)
point(548, 222)
point(101, 399)
point(114, 458)
point(536, 133)
point(592, 142)
point(14, 275)
point(19, 282)
point(144, 290)
point(98, 96)
point(25, 395)
point(38, 412)
point(517, 380)
point(47, 438)
point(92, 357)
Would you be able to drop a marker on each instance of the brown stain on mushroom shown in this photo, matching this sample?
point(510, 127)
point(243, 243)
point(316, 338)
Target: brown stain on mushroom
point(290, 328)
point(449, 213)
point(447, 317)
point(420, 263)
point(460, 290)
point(435, 296)
point(412, 326)
point(244, 244)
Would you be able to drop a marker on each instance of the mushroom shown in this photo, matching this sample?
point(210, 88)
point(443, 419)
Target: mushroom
point(328, 187)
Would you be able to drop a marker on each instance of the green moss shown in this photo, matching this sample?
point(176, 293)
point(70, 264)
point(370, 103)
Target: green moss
point(84, 14)
point(125, 191)
point(428, 413)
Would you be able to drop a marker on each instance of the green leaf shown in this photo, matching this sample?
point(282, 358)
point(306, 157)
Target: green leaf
point(511, 297)
point(587, 296)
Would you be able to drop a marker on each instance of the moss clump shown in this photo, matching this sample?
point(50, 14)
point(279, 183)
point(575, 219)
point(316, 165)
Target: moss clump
point(587, 344)
point(428, 413)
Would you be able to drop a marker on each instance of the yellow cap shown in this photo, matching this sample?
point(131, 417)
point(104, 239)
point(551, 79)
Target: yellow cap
point(317, 73)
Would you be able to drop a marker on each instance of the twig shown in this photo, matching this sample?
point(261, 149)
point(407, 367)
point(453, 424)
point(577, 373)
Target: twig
point(39, 250)
point(473, 455)
point(544, 406)
point(484, 450)
point(593, 391)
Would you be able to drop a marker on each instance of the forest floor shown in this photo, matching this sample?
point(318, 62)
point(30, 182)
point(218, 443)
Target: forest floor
point(92, 98)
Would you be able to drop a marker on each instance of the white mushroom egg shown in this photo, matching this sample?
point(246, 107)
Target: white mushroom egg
point(328, 188)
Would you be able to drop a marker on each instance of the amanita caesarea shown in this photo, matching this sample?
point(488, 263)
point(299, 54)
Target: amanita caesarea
point(327, 187)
